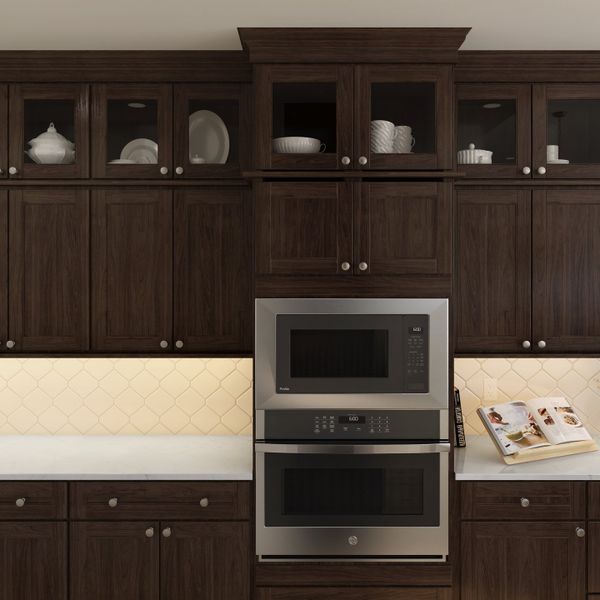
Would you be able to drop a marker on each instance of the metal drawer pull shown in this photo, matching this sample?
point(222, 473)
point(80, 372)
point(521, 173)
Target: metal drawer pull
point(20, 502)
point(345, 266)
point(524, 502)
point(113, 502)
point(150, 532)
point(167, 532)
point(204, 502)
point(580, 532)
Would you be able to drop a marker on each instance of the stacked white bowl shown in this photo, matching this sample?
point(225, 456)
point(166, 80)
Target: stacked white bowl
point(382, 136)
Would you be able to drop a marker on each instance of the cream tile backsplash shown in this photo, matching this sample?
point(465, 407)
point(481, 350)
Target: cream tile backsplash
point(488, 381)
point(125, 396)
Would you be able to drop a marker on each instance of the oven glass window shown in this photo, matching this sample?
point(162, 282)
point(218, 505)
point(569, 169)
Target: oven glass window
point(339, 353)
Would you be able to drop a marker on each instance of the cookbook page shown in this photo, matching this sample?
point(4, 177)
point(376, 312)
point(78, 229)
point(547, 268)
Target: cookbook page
point(558, 420)
point(513, 426)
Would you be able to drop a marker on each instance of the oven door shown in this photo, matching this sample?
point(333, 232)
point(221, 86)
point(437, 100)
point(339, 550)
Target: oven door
point(361, 501)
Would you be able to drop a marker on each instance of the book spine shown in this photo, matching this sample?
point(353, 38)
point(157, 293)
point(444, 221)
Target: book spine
point(459, 425)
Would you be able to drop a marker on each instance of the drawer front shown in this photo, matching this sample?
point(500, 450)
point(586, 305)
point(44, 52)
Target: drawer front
point(527, 500)
point(372, 593)
point(196, 501)
point(26, 501)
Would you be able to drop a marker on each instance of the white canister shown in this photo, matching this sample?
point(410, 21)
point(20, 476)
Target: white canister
point(403, 139)
point(382, 136)
point(551, 152)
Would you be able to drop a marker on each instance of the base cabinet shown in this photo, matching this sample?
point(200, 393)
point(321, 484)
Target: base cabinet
point(370, 593)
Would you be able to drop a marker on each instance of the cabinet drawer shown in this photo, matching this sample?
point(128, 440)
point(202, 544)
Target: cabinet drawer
point(32, 500)
point(372, 593)
point(527, 500)
point(198, 501)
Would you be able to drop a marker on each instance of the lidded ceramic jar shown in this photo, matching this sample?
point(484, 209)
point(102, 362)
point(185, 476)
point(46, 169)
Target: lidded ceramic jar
point(51, 148)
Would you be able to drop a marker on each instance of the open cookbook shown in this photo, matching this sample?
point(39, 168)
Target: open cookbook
point(536, 429)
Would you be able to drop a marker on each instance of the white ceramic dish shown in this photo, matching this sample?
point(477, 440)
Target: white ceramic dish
point(474, 156)
point(121, 161)
point(141, 151)
point(558, 161)
point(297, 144)
point(208, 138)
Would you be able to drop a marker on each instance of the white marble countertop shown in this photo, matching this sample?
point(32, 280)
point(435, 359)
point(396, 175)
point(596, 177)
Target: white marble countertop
point(126, 457)
point(481, 461)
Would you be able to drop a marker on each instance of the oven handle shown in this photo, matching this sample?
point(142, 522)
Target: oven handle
point(435, 448)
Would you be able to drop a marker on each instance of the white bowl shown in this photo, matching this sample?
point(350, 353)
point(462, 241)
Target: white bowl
point(47, 155)
point(296, 144)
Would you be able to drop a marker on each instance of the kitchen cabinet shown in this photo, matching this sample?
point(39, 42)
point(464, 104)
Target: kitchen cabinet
point(48, 271)
point(344, 229)
point(3, 131)
point(3, 266)
point(373, 593)
point(593, 556)
point(131, 267)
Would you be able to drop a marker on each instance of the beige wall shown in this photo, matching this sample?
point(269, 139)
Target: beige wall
point(200, 24)
point(125, 396)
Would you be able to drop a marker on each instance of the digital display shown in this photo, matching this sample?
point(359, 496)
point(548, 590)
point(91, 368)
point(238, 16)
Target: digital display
point(416, 330)
point(349, 419)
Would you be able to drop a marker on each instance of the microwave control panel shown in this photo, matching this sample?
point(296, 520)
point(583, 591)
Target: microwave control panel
point(416, 353)
point(360, 425)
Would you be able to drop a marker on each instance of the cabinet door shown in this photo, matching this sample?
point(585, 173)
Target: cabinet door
point(3, 266)
point(497, 118)
point(3, 131)
point(49, 110)
point(492, 299)
point(111, 560)
point(132, 270)
point(213, 270)
point(537, 561)
point(566, 272)
point(48, 270)
point(132, 128)
point(33, 561)
point(403, 228)
point(404, 117)
point(593, 557)
point(304, 228)
point(205, 561)
point(304, 102)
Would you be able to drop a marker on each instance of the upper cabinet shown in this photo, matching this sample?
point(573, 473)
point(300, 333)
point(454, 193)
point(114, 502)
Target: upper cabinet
point(3, 131)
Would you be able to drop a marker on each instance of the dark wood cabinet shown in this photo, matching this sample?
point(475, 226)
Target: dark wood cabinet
point(534, 560)
point(213, 270)
point(3, 266)
point(348, 593)
point(114, 560)
point(131, 265)
point(205, 561)
point(492, 305)
point(33, 561)
point(3, 131)
point(48, 272)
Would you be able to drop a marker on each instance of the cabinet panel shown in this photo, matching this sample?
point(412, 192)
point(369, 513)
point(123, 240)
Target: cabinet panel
point(593, 531)
point(566, 272)
point(213, 270)
point(403, 228)
point(205, 561)
point(131, 270)
point(303, 227)
point(3, 266)
point(3, 131)
point(49, 270)
point(33, 561)
point(114, 560)
point(372, 593)
point(537, 561)
point(493, 270)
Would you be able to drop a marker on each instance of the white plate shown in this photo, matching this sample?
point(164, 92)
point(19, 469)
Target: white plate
point(121, 161)
point(141, 151)
point(558, 161)
point(209, 138)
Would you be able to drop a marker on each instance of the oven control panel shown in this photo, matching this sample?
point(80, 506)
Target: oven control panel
point(359, 425)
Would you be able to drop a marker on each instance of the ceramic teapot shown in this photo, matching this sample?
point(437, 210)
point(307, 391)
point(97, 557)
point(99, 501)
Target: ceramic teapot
point(51, 148)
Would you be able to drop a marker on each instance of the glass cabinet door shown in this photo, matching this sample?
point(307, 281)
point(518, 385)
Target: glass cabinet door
point(131, 131)
point(566, 130)
point(210, 130)
point(404, 117)
point(3, 131)
point(48, 131)
point(303, 116)
point(493, 130)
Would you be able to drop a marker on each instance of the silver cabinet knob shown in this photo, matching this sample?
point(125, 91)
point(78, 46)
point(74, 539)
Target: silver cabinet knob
point(150, 532)
point(526, 344)
point(345, 266)
point(524, 502)
point(204, 502)
point(541, 344)
point(13, 170)
point(362, 161)
point(164, 170)
point(580, 532)
point(526, 170)
point(167, 532)
point(541, 170)
point(164, 344)
point(113, 502)
point(353, 540)
point(179, 344)
point(345, 160)
point(10, 344)
point(363, 266)
point(20, 502)
point(179, 170)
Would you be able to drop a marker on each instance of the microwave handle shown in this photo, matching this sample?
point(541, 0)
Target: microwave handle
point(434, 448)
